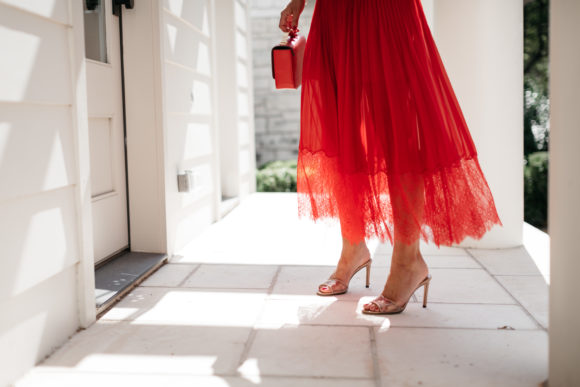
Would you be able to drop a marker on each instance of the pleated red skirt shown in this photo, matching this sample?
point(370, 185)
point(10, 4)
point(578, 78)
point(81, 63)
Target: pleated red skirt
point(384, 146)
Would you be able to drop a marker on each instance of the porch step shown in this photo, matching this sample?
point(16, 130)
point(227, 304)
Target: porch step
point(120, 275)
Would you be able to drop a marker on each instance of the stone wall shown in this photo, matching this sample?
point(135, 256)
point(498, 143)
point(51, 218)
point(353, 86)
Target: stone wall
point(277, 112)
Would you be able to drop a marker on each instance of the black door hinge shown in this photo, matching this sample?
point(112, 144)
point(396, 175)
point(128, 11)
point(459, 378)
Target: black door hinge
point(117, 4)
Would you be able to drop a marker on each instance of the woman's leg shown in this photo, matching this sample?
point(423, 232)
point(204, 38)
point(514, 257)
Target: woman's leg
point(408, 267)
point(353, 254)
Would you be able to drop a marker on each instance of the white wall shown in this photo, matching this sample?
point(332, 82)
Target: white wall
point(564, 191)
point(199, 90)
point(481, 45)
point(234, 105)
point(186, 68)
point(246, 144)
point(43, 180)
point(171, 121)
point(47, 267)
point(194, 102)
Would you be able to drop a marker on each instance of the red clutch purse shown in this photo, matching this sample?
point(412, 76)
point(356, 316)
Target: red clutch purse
point(287, 61)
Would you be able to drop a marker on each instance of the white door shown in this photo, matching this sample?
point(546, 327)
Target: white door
point(105, 108)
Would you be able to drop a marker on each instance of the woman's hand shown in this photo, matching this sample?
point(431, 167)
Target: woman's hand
point(290, 15)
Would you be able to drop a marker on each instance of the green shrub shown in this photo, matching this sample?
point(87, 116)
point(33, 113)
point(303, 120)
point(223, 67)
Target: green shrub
point(277, 176)
point(536, 190)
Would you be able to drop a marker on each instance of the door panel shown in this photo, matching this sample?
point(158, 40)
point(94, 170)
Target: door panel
point(102, 167)
point(107, 143)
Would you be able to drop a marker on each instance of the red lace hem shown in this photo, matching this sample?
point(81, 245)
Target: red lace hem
point(442, 206)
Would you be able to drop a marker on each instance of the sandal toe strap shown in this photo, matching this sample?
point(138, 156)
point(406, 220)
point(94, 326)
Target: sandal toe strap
point(382, 303)
point(331, 283)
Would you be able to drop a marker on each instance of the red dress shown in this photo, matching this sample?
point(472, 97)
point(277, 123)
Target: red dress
point(384, 146)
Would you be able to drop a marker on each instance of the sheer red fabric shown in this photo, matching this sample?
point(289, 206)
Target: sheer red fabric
point(384, 146)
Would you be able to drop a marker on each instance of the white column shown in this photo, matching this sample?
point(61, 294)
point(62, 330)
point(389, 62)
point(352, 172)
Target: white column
point(428, 7)
point(226, 101)
point(481, 44)
point(564, 193)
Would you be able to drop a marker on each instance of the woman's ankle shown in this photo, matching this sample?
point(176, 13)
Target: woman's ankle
point(407, 257)
point(353, 248)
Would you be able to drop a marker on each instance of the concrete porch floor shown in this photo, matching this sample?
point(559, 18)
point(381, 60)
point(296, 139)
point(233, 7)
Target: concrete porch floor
point(237, 307)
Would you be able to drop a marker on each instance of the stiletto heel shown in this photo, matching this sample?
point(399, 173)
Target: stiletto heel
point(425, 291)
point(387, 306)
point(332, 281)
point(368, 275)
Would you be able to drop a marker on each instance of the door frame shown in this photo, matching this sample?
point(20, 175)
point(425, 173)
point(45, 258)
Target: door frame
point(151, 182)
point(145, 142)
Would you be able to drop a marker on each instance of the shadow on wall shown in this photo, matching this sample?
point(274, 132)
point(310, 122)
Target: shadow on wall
point(38, 223)
point(190, 132)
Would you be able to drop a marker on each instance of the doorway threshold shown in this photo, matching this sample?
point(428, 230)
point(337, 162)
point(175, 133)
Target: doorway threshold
point(118, 276)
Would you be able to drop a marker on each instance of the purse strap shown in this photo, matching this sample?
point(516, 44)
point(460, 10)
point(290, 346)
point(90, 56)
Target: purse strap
point(292, 34)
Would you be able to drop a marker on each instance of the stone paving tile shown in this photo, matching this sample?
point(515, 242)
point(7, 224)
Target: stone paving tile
point(314, 310)
point(190, 325)
point(460, 285)
point(433, 261)
point(327, 311)
point(171, 274)
point(464, 286)
point(304, 280)
point(532, 292)
point(514, 261)
point(431, 249)
point(477, 316)
point(232, 276)
point(126, 347)
point(461, 357)
point(451, 261)
point(303, 382)
point(426, 249)
point(315, 351)
point(265, 229)
point(174, 306)
point(65, 378)
point(62, 377)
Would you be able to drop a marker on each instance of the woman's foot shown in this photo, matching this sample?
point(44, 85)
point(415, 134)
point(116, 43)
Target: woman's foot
point(351, 257)
point(408, 268)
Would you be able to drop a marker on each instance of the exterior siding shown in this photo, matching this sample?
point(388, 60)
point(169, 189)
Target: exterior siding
point(245, 94)
point(202, 134)
point(188, 91)
point(47, 267)
point(38, 210)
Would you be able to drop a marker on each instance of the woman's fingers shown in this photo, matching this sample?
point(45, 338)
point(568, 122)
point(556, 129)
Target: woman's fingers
point(286, 19)
point(290, 15)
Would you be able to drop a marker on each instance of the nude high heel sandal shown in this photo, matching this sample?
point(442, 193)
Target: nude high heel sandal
point(333, 281)
point(387, 306)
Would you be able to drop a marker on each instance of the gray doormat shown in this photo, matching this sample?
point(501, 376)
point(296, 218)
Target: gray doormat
point(119, 274)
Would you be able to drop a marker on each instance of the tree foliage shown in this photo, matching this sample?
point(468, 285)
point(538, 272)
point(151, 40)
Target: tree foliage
point(536, 111)
point(536, 98)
